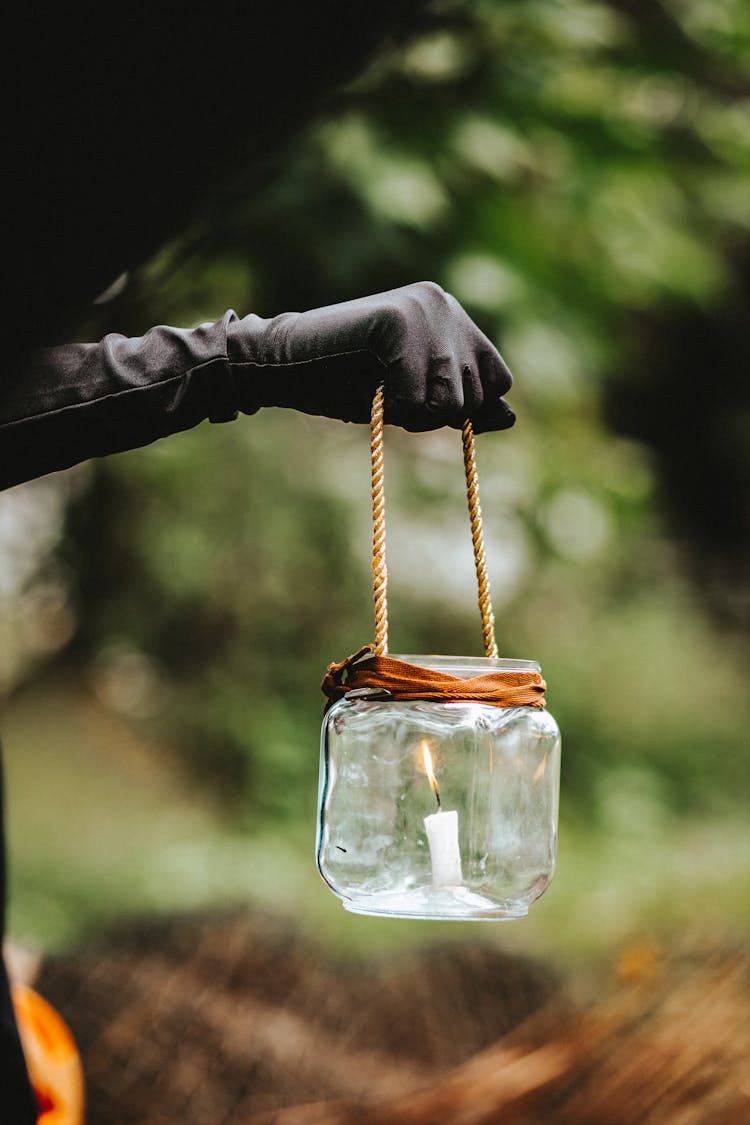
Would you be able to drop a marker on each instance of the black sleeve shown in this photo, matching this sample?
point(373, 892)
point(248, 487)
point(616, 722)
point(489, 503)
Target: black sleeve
point(87, 400)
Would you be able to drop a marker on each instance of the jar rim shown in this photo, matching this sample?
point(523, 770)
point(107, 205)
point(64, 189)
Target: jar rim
point(468, 666)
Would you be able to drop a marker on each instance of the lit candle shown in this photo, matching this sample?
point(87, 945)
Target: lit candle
point(442, 836)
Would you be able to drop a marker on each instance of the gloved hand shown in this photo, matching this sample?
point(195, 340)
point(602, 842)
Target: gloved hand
point(437, 367)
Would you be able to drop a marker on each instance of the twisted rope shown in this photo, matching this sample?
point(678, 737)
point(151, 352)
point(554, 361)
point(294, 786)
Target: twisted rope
point(477, 540)
point(379, 568)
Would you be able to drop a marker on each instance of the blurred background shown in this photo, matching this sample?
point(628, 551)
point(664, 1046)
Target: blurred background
point(578, 175)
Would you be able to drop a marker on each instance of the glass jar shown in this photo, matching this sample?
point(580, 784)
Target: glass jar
point(438, 810)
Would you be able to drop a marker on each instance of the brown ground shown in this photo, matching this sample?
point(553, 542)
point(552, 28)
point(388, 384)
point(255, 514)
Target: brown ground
point(230, 1020)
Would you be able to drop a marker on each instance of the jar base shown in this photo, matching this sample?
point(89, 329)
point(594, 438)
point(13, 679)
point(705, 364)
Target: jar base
point(436, 904)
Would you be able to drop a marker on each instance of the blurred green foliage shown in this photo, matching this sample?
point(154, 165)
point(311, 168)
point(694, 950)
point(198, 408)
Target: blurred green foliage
point(567, 170)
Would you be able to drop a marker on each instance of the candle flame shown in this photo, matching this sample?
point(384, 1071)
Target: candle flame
point(427, 759)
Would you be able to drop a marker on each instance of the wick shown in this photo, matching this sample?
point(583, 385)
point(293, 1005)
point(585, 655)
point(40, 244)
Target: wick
point(437, 798)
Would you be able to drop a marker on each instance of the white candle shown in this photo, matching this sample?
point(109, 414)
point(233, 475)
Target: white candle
point(442, 836)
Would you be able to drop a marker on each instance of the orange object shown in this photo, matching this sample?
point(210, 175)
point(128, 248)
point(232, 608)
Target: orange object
point(52, 1059)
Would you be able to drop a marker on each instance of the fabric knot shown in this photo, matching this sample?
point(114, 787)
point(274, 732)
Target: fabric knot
point(404, 681)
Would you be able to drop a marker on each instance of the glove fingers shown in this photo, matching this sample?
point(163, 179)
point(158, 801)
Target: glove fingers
point(493, 416)
point(445, 391)
point(494, 372)
point(453, 392)
point(474, 390)
point(405, 393)
point(442, 385)
point(493, 413)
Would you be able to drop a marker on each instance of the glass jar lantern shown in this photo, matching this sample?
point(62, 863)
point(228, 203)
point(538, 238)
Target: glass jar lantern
point(439, 810)
point(439, 775)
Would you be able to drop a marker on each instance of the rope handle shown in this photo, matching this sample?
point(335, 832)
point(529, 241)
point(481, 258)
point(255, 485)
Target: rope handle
point(379, 567)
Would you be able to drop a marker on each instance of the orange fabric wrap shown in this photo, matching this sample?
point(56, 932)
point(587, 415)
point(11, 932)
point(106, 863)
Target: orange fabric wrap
point(412, 682)
point(51, 1057)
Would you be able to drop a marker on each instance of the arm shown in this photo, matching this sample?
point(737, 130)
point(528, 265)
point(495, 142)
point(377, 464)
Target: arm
point(88, 400)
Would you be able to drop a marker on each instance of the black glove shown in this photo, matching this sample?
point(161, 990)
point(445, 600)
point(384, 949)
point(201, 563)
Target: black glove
point(437, 367)
point(89, 400)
